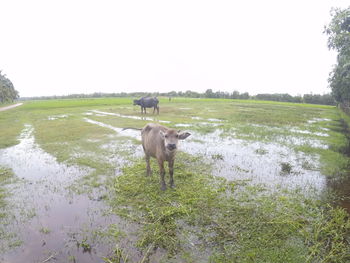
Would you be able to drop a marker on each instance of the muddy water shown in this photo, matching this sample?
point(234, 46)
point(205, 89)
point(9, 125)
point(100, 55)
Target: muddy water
point(342, 188)
point(49, 220)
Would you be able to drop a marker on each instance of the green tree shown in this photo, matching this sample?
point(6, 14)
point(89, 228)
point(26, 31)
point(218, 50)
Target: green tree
point(338, 32)
point(7, 90)
point(209, 93)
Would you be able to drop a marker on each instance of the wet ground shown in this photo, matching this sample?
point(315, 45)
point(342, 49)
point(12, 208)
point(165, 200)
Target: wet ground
point(51, 222)
point(55, 224)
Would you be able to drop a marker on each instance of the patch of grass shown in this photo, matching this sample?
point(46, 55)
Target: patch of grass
point(119, 256)
point(5, 175)
point(45, 230)
point(5, 213)
point(231, 222)
point(84, 245)
point(11, 125)
point(286, 168)
point(261, 151)
point(334, 161)
point(217, 157)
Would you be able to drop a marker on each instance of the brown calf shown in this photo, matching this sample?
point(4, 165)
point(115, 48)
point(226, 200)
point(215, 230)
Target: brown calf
point(161, 143)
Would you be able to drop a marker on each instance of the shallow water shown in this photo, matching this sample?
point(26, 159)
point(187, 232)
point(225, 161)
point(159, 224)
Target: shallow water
point(103, 113)
point(342, 188)
point(128, 132)
point(49, 219)
point(259, 163)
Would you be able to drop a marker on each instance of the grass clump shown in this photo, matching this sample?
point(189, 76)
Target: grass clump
point(208, 219)
point(286, 168)
point(5, 175)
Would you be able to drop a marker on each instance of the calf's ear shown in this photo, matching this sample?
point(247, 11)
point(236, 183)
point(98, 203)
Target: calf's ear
point(184, 135)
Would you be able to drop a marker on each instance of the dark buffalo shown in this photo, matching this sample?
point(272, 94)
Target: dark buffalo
point(148, 102)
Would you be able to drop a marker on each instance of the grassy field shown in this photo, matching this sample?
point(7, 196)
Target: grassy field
point(253, 180)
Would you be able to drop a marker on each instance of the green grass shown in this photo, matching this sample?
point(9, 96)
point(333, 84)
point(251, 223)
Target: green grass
point(5, 212)
point(5, 175)
point(229, 222)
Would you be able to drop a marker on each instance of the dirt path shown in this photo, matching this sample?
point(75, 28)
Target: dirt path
point(10, 107)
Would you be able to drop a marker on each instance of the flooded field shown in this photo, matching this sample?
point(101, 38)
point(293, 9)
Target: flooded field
point(64, 206)
point(48, 220)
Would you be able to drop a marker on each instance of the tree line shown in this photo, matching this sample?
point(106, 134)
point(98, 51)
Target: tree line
point(338, 32)
point(7, 90)
point(325, 99)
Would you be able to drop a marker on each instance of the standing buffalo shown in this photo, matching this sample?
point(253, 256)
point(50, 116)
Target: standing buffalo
point(147, 102)
point(161, 143)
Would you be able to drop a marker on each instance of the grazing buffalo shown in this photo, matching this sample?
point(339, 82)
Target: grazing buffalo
point(161, 143)
point(148, 102)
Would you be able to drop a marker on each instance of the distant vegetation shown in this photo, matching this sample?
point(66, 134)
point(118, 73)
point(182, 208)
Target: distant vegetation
point(325, 99)
point(7, 90)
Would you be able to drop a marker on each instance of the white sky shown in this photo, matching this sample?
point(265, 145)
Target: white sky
point(82, 46)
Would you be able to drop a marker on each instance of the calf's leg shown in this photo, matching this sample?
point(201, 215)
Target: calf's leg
point(171, 173)
point(162, 174)
point(149, 171)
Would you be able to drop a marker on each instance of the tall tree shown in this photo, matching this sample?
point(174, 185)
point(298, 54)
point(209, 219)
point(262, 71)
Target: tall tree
point(338, 32)
point(7, 90)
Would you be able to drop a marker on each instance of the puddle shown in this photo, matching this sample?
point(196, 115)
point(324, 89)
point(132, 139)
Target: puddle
point(315, 120)
point(342, 189)
point(214, 120)
point(129, 132)
point(49, 220)
point(186, 125)
point(209, 124)
point(183, 125)
point(295, 140)
point(293, 129)
point(103, 113)
point(210, 119)
point(257, 162)
point(321, 134)
point(56, 117)
point(300, 141)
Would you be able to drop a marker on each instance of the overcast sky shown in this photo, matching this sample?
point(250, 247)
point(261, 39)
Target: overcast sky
point(79, 46)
